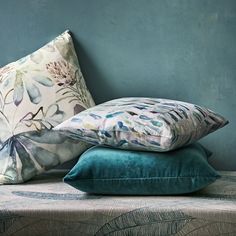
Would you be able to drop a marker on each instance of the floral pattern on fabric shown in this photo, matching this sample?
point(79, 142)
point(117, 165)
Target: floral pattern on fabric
point(149, 124)
point(37, 93)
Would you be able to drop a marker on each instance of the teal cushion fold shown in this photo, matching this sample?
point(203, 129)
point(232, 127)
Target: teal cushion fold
point(103, 170)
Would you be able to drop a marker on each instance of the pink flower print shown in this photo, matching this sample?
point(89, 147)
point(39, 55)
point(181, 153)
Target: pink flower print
point(63, 72)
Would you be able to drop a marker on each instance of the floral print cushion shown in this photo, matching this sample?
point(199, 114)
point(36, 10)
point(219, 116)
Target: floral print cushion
point(37, 93)
point(149, 124)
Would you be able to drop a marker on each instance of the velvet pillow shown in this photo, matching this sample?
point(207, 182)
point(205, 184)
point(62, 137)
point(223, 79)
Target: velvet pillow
point(149, 124)
point(37, 93)
point(103, 170)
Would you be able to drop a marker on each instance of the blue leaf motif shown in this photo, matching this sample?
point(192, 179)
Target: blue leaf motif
point(104, 132)
point(54, 196)
point(156, 123)
point(29, 166)
point(154, 143)
point(33, 92)
point(54, 113)
point(76, 119)
point(45, 158)
point(44, 136)
point(18, 89)
point(173, 117)
point(96, 117)
point(137, 143)
point(114, 114)
point(143, 117)
point(140, 107)
point(121, 143)
point(184, 113)
point(132, 113)
point(43, 80)
point(122, 126)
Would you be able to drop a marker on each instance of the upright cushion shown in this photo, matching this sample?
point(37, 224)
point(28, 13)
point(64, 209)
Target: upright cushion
point(38, 92)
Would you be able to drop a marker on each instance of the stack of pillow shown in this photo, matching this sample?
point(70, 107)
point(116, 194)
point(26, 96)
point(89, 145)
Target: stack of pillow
point(143, 146)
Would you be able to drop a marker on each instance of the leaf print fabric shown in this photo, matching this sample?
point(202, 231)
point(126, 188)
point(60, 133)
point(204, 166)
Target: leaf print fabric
point(148, 124)
point(47, 206)
point(37, 93)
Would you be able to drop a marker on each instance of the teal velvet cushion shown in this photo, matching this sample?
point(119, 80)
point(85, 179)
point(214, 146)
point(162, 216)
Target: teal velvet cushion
point(104, 170)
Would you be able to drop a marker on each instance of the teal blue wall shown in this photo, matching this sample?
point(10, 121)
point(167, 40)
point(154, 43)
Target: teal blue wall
point(178, 49)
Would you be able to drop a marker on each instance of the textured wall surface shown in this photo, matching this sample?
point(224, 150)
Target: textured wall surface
point(178, 49)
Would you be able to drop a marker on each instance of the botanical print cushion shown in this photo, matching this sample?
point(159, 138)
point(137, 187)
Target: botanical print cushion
point(149, 124)
point(37, 93)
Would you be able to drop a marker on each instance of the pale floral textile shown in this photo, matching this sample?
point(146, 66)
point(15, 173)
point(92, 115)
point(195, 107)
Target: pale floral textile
point(38, 92)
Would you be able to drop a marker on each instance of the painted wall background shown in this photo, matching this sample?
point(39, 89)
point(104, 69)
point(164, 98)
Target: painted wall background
point(177, 49)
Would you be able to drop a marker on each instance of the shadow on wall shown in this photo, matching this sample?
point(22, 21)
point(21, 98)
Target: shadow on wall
point(92, 73)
